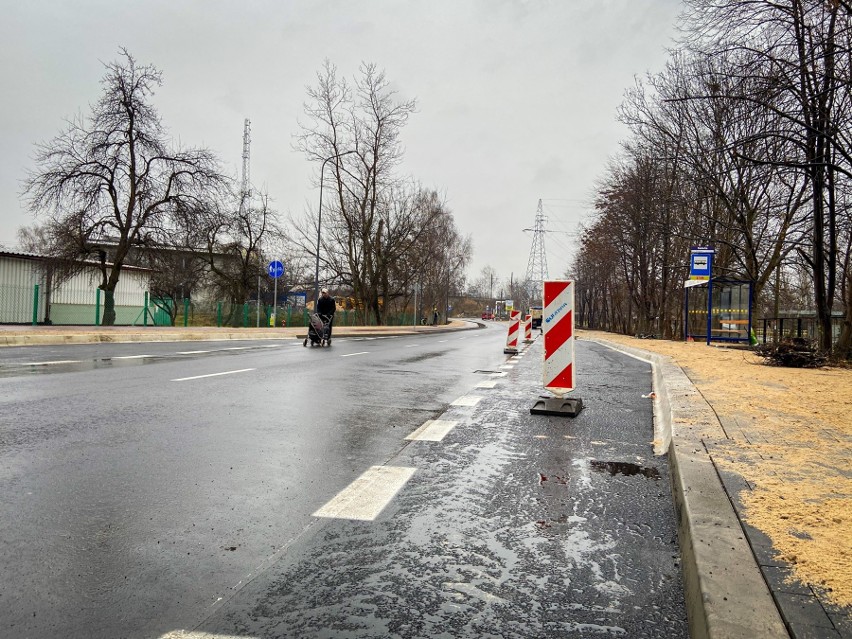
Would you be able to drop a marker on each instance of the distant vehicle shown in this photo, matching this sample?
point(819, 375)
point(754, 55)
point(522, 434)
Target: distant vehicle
point(487, 315)
point(535, 311)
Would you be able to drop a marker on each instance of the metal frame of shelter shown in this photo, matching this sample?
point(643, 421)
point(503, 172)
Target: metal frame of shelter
point(718, 309)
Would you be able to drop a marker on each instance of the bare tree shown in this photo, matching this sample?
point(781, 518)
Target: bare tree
point(484, 285)
point(115, 176)
point(357, 129)
point(800, 51)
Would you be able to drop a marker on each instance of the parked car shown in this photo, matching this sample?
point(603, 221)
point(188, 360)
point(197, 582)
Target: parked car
point(486, 315)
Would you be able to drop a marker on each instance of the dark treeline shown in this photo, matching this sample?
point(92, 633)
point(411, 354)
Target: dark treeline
point(742, 142)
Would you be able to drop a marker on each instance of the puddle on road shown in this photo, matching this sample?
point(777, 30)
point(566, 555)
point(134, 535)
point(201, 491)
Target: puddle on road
point(421, 358)
point(21, 370)
point(624, 468)
point(15, 369)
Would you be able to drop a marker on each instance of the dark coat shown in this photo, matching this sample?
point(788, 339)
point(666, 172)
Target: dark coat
point(326, 306)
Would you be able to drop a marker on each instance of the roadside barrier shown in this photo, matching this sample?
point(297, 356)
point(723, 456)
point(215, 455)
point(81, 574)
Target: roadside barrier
point(558, 370)
point(528, 329)
point(512, 337)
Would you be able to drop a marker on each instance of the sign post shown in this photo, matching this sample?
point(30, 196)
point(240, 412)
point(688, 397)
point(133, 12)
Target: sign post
point(416, 291)
point(701, 270)
point(275, 270)
point(558, 372)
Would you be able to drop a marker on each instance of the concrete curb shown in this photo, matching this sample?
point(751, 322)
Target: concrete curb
point(726, 595)
point(55, 336)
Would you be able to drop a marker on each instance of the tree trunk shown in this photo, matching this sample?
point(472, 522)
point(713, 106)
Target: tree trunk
point(108, 318)
point(843, 349)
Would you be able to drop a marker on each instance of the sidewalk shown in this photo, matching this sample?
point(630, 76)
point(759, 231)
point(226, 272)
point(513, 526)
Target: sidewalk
point(16, 335)
point(764, 451)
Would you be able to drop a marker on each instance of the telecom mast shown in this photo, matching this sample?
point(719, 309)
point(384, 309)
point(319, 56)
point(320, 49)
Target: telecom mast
point(245, 190)
point(537, 265)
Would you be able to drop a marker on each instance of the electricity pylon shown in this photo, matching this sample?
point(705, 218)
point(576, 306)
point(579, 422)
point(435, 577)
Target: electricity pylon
point(537, 264)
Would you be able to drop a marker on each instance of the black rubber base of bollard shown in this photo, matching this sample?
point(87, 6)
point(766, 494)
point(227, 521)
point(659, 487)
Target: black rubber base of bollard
point(558, 407)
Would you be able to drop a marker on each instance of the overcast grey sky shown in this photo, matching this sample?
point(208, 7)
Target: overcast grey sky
point(516, 99)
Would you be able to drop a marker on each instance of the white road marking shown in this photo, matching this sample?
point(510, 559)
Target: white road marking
point(131, 356)
point(59, 361)
point(191, 352)
point(359, 353)
point(507, 367)
point(198, 634)
point(411, 345)
point(366, 497)
point(441, 341)
point(487, 384)
point(236, 348)
point(184, 379)
point(432, 430)
point(499, 374)
point(467, 400)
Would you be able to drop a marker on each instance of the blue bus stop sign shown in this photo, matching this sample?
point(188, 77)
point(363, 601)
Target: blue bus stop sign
point(701, 263)
point(275, 269)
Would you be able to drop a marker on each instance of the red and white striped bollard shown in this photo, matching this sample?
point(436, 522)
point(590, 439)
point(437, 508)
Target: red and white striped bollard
point(558, 372)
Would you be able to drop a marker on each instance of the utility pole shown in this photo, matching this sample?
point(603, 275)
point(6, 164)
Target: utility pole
point(245, 189)
point(245, 196)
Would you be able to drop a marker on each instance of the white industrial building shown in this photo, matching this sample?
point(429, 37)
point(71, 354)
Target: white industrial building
point(75, 301)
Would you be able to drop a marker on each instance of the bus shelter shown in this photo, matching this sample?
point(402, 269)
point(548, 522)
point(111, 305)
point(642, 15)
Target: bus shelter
point(718, 309)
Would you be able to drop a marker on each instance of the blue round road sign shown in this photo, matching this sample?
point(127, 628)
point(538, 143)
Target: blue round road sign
point(275, 269)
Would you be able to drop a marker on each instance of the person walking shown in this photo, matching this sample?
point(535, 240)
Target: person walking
point(435, 316)
point(326, 309)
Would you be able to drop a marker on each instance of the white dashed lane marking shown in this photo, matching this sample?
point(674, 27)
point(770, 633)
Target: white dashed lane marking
point(366, 497)
point(184, 379)
point(467, 400)
point(59, 361)
point(490, 384)
point(433, 430)
point(359, 353)
point(191, 352)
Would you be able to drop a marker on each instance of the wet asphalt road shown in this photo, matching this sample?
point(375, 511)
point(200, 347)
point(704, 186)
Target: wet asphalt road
point(132, 505)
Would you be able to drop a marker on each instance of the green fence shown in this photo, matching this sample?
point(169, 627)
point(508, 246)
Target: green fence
point(17, 304)
point(25, 305)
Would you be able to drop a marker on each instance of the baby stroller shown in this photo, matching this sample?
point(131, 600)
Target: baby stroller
point(319, 330)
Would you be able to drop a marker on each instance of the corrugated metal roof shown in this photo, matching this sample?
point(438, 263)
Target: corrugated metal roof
point(37, 257)
point(21, 255)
